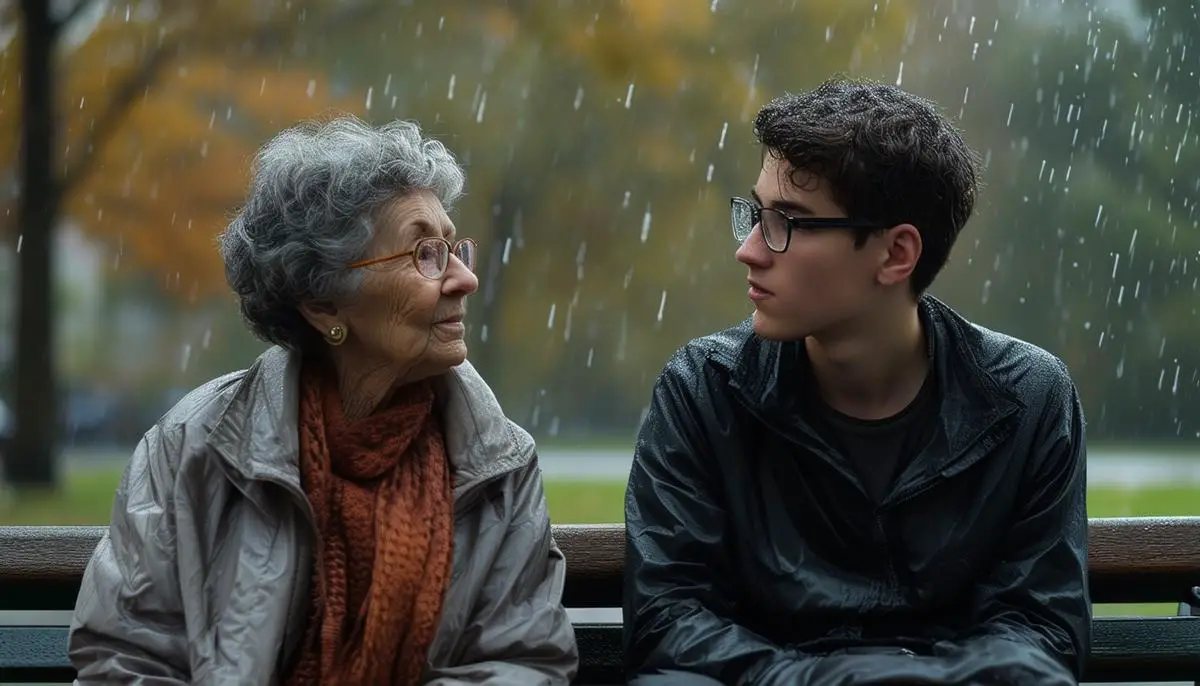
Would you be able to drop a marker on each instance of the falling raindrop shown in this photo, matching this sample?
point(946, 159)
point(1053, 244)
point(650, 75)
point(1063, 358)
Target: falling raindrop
point(646, 223)
point(579, 256)
point(629, 96)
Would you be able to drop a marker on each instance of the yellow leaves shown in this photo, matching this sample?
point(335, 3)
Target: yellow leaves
point(179, 165)
point(500, 23)
point(675, 17)
point(639, 40)
point(159, 120)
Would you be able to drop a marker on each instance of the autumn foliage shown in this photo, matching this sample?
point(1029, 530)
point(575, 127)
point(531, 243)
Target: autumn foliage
point(159, 117)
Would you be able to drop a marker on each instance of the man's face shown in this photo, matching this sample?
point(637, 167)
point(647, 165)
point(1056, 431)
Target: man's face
point(821, 281)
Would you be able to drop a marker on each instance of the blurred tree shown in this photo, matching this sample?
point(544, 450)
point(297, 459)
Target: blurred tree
point(1092, 253)
point(118, 109)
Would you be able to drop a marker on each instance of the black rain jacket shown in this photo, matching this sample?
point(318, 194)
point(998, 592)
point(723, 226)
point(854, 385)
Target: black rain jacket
point(754, 555)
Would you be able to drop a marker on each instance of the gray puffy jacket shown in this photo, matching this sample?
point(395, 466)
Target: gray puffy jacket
point(204, 575)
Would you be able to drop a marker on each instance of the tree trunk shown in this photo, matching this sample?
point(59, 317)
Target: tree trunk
point(487, 357)
point(32, 457)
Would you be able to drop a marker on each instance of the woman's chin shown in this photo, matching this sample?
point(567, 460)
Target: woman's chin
point(450, 354)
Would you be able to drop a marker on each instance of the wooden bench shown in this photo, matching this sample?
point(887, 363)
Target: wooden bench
point(1139, 560)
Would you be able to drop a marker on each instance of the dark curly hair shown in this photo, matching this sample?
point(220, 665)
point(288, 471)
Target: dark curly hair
point(888, 156)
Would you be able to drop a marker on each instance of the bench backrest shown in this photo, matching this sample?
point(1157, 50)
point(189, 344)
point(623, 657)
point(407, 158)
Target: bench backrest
point(1133, 560)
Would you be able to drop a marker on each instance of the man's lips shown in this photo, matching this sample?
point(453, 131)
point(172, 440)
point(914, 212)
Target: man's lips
point(757, 292)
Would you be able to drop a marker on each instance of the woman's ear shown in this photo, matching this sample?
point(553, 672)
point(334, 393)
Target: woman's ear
point(322, 315)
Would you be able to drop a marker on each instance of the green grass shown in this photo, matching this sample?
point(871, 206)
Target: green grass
point(86, 498)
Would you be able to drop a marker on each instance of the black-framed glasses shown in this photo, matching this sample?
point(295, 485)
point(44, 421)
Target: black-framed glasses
point(431, 257)
point(777, 226)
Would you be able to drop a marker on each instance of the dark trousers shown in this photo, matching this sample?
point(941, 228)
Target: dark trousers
point(673, 678)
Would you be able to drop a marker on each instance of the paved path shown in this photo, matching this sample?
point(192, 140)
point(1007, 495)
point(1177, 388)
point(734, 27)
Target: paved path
point(1106, 466)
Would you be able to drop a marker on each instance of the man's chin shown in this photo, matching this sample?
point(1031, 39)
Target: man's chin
point(772, 329)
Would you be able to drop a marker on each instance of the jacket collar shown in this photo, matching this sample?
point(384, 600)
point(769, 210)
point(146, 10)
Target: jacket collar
point(768, 374)
point(971, 399)
point(257, 431)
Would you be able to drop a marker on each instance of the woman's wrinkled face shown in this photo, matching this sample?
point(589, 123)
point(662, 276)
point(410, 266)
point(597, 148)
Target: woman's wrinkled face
point(400, 317)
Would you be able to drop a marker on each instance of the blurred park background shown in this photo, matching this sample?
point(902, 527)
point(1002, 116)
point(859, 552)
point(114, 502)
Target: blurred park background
point(602, 140)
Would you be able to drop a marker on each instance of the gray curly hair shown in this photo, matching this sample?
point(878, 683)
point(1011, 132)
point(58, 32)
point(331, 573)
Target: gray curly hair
point(316, 190)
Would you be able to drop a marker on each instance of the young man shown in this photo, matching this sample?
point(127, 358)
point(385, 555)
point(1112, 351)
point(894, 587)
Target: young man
point(857, 485)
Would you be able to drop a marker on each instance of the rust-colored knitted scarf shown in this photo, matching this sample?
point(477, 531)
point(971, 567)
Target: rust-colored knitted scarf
point(380, 489)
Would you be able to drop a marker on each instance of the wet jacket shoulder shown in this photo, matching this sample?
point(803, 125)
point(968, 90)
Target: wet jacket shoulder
point(752, 559)
point(203, 575)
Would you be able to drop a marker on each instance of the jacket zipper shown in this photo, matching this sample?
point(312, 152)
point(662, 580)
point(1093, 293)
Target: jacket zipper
point(893, 579)
point(292, 642)
point(841, 469)
point(892, 576)
point(997, 425)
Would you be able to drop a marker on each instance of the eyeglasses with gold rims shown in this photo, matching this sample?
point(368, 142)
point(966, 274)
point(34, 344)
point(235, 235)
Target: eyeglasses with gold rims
point(431, 257)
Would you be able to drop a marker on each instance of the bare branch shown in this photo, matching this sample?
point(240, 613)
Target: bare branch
point(126, 93)
point(110, 120)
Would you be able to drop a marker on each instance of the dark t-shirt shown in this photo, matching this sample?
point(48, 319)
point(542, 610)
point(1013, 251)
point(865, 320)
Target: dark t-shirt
point(880, 449)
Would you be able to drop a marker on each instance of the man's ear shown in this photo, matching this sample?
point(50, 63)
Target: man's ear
point(322, 315)
point(903, 244)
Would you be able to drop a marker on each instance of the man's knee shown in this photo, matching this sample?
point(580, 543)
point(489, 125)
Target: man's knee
point(673, 678)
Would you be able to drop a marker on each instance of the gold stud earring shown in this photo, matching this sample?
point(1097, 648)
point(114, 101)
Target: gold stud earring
point(336, 335)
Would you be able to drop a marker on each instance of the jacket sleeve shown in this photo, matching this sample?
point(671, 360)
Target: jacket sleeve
point(678, 606)
point(1033, 609)
point(520, 632)
point(128, 625)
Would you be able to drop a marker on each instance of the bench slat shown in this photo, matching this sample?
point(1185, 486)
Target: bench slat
point(1142, 559)
point(1155, 649)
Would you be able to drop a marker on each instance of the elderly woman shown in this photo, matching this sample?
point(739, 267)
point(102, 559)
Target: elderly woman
point(354, 508)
